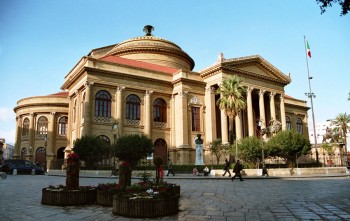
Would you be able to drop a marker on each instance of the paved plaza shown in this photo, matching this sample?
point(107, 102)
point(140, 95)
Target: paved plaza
point(202, 198)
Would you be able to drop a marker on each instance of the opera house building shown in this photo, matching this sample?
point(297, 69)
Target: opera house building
point(147, 86)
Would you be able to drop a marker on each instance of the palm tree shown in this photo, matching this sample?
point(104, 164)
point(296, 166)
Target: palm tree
point(232, 99)
point(343, 121)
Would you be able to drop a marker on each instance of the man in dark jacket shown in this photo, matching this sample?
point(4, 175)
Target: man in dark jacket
point(237, 170)
point(227, 168)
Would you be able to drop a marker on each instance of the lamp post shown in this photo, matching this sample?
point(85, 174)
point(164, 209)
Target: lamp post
point(31, 153)
point(45, 144)
point(262, 146)
point(115, 132)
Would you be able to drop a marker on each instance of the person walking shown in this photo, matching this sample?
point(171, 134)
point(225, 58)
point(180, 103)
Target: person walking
point(227, 168)
point(170, 168)
point(237, 170)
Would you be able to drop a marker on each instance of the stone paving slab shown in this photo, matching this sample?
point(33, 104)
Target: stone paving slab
point(325, 198)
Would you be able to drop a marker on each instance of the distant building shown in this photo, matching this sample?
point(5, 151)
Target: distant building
point(147, 85)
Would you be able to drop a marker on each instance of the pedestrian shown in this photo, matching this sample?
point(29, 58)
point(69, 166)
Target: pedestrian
point(237, 170)
point(170, 168)
point(227, 168)
point(195, 172)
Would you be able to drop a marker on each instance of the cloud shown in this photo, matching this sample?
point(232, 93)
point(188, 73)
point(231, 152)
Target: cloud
point(7, 114)
point(9, 135)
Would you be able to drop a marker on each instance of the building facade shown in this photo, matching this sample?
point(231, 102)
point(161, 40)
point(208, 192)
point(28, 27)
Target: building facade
point(147, 85)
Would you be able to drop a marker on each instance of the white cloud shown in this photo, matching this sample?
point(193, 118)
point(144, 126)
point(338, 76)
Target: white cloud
point(9, 135)
point(7, 114)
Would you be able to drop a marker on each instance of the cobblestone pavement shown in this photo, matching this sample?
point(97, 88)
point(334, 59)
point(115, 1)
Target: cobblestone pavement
point(201, 199)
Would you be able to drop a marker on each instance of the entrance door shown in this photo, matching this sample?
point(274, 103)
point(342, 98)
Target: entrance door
point(40, 157)
point(160, 149)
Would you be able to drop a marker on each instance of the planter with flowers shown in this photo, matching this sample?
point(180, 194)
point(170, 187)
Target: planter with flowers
point(72, 193)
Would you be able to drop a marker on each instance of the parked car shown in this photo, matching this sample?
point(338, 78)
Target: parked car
point(22, 167)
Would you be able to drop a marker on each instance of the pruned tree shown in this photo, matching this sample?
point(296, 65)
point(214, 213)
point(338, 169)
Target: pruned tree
point(218, 149)
point(91, 150)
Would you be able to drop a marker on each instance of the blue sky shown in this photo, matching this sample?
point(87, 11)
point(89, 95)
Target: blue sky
point(40, 41)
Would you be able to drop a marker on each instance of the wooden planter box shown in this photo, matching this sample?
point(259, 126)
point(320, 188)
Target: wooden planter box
point(104, 198)
point(67, 197)
point(145, 208)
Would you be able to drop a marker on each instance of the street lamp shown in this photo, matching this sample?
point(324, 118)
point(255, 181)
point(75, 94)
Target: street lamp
point(115, 132)
point(30, 153)
point(45, 144)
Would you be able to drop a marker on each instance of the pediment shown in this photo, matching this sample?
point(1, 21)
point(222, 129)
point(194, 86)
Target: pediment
point(255, 66)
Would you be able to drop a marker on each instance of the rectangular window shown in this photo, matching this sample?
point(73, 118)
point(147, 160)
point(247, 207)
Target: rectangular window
point(196, 120)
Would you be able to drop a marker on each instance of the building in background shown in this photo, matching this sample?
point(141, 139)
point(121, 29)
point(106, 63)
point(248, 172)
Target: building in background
point(147, 85)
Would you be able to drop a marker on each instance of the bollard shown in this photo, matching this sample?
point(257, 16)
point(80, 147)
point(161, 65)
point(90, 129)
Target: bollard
point(14, 172)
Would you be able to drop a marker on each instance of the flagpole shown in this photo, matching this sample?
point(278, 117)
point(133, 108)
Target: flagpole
point(311, 95)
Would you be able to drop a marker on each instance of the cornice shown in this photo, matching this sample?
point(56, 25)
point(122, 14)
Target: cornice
point(40, 105)
point(126, 76)
point(166, 51)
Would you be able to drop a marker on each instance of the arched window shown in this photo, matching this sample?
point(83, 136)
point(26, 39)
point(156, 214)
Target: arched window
point(62, 126)
point(299, 126)
point(132, 107)
point(288, 123)
point(104, 139)
point(103, 104)
point(25, 128)
point(42, 127)
point(159, 110)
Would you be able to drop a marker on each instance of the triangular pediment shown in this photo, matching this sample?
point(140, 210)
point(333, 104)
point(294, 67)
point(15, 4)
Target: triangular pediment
point(255, 66)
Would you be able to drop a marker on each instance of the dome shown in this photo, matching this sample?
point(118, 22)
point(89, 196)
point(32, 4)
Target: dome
point(153, 50)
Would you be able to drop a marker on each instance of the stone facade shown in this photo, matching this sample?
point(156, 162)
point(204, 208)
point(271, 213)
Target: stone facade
point(147, 85)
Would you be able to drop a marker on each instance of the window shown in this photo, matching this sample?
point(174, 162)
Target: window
point(62, 126)
point(159, 110)
point(42, 127)
point(299, 126)
point(288, 123)
point(25, 128)
point(132, 107)
point(103, 104)
point(196, 119)
point(104, 139)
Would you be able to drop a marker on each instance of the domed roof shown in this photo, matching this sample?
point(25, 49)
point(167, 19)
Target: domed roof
point(153, 50)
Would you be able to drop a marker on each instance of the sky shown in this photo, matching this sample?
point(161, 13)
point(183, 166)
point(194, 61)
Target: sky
point(41, 41)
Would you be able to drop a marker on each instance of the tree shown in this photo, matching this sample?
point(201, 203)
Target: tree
point(232, 99)
point(345, 5)
point(250, 149)
point(343, 121)
point(132, 148)
point(218, 149)
point(91, 149)
point(287, 145)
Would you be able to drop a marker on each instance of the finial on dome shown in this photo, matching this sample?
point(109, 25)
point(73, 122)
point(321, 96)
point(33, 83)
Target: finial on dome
point(148, 30)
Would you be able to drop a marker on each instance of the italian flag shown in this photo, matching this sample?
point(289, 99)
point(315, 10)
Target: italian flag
point(308, 49)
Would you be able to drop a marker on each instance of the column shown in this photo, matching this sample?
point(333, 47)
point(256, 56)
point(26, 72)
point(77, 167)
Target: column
point(31, 130)
point(17, 154)
point(148, 114)
point(181, 119)
point(51, 135)
point(238, 126)
point(262, 108)
point(210, 126)
point(88, 104)
point(250, 112)
point(283, 112)
point(224, 127)
point(272, 106)
point(119, 108)
point(173, 122)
